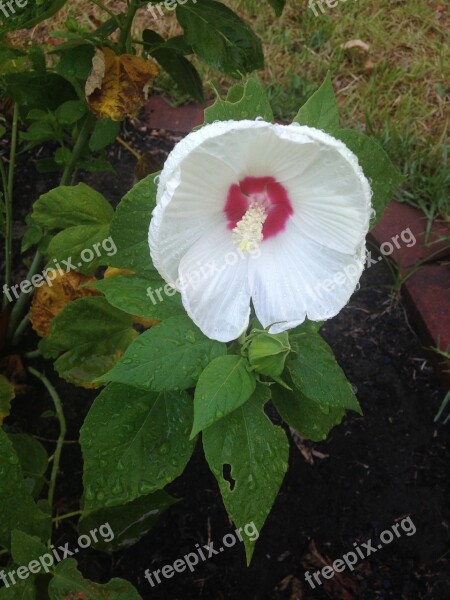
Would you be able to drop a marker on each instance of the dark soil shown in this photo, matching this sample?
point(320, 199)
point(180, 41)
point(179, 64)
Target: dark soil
point(372, 472)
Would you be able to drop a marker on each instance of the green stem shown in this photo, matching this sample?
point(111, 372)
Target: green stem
point(62, 431)
point(67, 515)
point(9, 199)
point(21, 303)
point(20, 330)
point(33, 354)
point(106, 9)
point(126, 30)
point(70, 169)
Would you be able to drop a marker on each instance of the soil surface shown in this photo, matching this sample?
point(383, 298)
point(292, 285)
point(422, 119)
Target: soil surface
point(371, 473)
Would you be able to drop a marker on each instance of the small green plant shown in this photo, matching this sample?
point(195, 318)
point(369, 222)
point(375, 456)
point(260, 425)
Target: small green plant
point(171, 383)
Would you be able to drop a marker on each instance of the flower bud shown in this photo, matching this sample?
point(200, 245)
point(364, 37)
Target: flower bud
point(267, 353)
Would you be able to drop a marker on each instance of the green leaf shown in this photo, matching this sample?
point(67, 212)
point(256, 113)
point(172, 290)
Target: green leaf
point(69, 583)
point(377, 166)
point(220, 38)
point(62, 156)
point(78, 243)
point(33, 459)
point(257, 451)
point(92, 335)
point(224, 385)
point(7, 394)
point(104, 134)
point(75, 63)
point(277, 5)
point(248, 101)
point(69, 206)
point(31, 14)
point(99, 165)
point(22, 590)
point(70, 112)
point(307, 326)
point(84, 216)
point(19, 510)
point(321, 110)
point(39, 132)
point(317, 375)
point(25, 548)
point(177, 66)
point(169, 356)
point(304, 414)
point(33, 234)
point(151, 444)
point(34, 89)
point(129, 228)
point(141, 297)
point(129, 522)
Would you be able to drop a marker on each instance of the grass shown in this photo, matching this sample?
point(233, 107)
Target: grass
point(396, 91)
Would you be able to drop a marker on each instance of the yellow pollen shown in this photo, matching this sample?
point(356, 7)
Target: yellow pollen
point(248, 232)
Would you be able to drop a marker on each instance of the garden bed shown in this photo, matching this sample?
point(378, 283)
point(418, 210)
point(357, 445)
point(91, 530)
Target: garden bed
point(371, 472)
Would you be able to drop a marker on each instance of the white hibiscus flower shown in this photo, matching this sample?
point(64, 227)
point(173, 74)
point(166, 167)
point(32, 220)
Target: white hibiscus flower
point(294, 192)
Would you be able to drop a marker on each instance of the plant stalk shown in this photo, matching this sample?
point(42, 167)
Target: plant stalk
point(62, 431)
point(17, 311)
point(9, 199)
point(126, 30)
point(21, 303)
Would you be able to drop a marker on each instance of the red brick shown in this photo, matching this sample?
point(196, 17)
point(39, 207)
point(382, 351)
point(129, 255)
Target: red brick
point(399, 217)
point(428, 293)
point(160, 115)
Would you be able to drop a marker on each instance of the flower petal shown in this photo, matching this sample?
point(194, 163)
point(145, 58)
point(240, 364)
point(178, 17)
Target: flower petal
point(214, 285)
point(331, 196)
point(295, 278)
point(209, 133)
point(191, 204)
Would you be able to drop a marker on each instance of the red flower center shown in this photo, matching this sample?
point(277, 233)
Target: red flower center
point(267, 192)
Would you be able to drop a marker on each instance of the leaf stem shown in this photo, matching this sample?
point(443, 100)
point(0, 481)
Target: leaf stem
point(67, 515)
point(62, 431)
point(129, 148)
